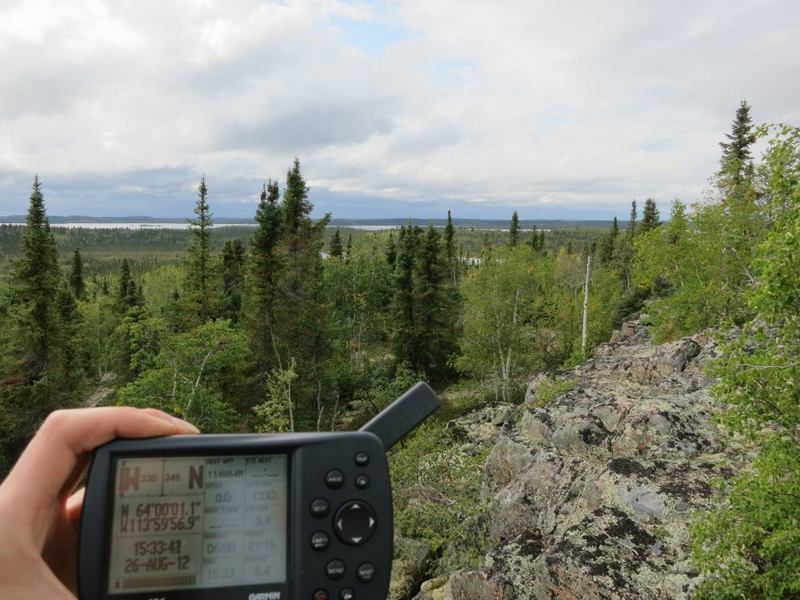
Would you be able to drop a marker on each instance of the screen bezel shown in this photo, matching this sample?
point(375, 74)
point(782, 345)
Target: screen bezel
point(208, 449)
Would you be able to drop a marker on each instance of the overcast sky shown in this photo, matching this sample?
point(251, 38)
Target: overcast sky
point(556, 109)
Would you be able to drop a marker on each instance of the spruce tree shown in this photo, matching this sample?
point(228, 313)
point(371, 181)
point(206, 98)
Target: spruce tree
point(513, 230)
point(266, 266)
point(301, 337)
point(632, 221)
point(736, 164)
point(434, 316)
point(404, 334)
point(349, 248)
point(391, 250)
point(533, 242)
point(609, 244)
point(35, 371)
point(650, 218)
point(232, 279)
point(199, 294)
point(296, 206)
point(450, 250)
point(76, 281)
point(127, 294)
point(335, 249)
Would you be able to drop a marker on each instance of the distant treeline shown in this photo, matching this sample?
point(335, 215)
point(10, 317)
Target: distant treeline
point(104, 249)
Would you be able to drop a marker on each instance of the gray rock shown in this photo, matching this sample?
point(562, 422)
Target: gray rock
point(412, 559)
point(644, 501)
point(591, 496)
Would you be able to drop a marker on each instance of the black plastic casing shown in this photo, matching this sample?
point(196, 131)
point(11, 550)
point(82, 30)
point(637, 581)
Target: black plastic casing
point(310, 457)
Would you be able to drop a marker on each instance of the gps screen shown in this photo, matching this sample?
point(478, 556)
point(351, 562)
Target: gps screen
point(198, 522)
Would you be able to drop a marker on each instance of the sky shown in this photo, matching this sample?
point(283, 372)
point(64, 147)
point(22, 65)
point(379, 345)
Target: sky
point(566, 109)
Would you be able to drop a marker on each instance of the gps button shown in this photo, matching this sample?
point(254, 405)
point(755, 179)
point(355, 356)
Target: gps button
point(320, 507)
point(354, 522)
point(334, 479)
point(365, 572)
point(320, 540)
point(334, 569)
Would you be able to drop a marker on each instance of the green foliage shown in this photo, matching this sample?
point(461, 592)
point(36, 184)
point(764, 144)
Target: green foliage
point(128, 295)
point(649, 216)
point(424, 304)
point(609, 244)
point(513, 230)
point(437, 494)
point(276, 413)
point(232, 280)
point(192, 375)
point(522, 314)
point(549, 390)
point(736, 167)
point(200, 297)
point(36, 367)
point(265, 266)
point(335, 249)
point(750, 547)
point(76, 281)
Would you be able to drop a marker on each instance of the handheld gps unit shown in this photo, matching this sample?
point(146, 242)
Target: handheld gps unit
point(295, 516)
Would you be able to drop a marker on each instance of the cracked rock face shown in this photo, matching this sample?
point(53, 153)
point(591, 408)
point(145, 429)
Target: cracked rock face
point(591, 497)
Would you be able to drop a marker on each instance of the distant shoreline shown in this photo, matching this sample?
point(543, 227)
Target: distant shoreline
point(142, 222)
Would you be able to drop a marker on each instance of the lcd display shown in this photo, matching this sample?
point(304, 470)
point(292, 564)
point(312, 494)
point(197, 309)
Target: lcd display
point(198, 522)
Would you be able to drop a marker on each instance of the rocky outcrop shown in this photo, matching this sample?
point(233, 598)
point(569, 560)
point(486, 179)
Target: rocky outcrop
point(591, 497)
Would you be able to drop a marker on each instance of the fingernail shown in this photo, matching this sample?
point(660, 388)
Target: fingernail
point(184, 424)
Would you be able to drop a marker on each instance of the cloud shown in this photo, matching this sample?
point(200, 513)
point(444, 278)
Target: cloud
point(541, 106)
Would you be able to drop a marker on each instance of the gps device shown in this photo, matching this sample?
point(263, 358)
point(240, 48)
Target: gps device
point(295, 516)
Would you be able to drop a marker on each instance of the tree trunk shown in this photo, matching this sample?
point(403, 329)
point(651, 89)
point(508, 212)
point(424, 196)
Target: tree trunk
point(585, 330)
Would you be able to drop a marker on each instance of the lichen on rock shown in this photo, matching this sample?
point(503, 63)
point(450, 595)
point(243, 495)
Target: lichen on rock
point(591, 496)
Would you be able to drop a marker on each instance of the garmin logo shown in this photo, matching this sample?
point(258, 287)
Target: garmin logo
point(265, 596)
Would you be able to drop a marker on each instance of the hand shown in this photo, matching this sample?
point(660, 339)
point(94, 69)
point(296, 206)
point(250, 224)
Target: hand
point(39, 508)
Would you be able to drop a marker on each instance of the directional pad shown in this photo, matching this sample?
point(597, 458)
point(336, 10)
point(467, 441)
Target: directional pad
point(354, 522)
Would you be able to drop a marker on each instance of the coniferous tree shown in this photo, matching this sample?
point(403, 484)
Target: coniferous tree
point(349, 248)
point(609, 244)
point(296, 206)
point(335, 248)
point(450, 250)
point(513, 230)
point(266, 267)
point(650, 218)
point(76, 281)
point(127, 294)
point(35, 371)
point(198, 293)
point(404, 334)
point(632, 221)
point(541, 240)
point(434, 317)
point(301, 338)
point(391, 250)
point(232, 279)
point(534, 241)
point(736, 164)
point(486, 245)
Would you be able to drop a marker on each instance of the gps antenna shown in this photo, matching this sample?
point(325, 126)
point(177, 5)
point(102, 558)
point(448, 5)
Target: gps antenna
point(403, 415)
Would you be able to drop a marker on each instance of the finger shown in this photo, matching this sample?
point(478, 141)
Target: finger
point(56, 451)
point(74, 507)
